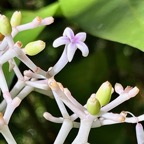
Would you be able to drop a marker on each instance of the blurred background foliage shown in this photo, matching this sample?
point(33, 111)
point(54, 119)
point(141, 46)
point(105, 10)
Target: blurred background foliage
point(113, 29)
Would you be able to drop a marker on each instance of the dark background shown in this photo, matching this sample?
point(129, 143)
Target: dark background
point(107, 61)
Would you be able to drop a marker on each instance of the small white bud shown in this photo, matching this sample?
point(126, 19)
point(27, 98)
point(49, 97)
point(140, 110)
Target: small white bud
point(119, 88)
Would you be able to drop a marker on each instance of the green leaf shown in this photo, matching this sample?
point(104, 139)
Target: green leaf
point(116, 20)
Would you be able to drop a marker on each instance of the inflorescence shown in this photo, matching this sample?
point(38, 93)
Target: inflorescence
point(97, 110)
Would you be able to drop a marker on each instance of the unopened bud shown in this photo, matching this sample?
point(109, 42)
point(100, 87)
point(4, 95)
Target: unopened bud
point(33, 48)
point(133, 92)
point(5, 26)
point(104, 93)
point(139, 133)
point(93, 105)
point(16, 19)
point(118, 88)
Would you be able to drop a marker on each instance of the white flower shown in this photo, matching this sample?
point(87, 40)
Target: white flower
point(72, 42)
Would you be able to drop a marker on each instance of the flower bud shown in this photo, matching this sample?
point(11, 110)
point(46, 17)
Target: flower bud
point(93, 105)
point(34, 48)
point(5, 26)
point(119, 88)
point(139, 133)
point(16, 19)
point(104, 93)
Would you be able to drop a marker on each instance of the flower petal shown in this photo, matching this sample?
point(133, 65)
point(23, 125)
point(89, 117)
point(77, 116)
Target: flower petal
point(83, 47)
point(68, 33)
point(81, 36)
point(60, 41)
point(71, 48)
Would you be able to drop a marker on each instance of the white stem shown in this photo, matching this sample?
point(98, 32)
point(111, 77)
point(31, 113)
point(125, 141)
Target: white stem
point(4, 87)
point(3, 83)
point(44, 92)
point(74, 116)
point(64, 131)
point(135, 119)
point(119, 100)
point(73, 100)
point(61, 105)
point(68, 103)
point(16, 89)
point(28, 62)
point(35, 23)
point(10, 109)
point(114, 117)
point(53, 119)
point(58, 91)
point(103, 121)
point(7, 56)
point(84, 130)
point(36, 84)
point(30, 74)
point(25, 91)
point(17, 71)
point(107, 122)
point(7, 135)
point(59, 65)
point(10, 41)
point(3, 44)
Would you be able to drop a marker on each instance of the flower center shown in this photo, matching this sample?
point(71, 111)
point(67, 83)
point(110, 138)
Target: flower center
point(74, 40)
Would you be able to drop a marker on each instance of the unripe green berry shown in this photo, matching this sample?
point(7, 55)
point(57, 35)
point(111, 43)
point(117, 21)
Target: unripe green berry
point(5, 26)
point(16, 19)
point(33, 48)
point(93, 105)
point(104, 93)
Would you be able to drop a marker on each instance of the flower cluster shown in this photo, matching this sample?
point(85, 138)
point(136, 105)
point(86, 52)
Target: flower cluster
point(97, 110)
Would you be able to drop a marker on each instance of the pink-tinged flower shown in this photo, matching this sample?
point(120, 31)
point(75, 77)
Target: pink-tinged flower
point(72, 43)
point(139, 133)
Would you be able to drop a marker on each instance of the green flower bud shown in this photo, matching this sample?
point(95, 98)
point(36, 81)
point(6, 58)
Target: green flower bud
point(5, 26)
point(104, 93)
point(16, 19)
point(93, 105)
point(34, 48)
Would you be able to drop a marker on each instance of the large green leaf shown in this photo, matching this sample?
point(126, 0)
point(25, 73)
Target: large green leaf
point(116, 20)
